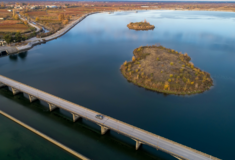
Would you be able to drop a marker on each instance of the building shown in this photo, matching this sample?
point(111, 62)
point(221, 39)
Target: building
point(51, 6)
point(18, 7)
point(9, 10)
point(10, 6)
point(2, 42)
point(33, 7)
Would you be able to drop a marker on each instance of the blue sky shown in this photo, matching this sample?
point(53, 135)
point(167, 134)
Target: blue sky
point(131, 0)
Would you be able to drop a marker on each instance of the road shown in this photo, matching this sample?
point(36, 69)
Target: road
point(34, 41)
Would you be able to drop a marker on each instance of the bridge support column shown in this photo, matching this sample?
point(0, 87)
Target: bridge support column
point(2, 84)
point(15, 91)
point(52, 106)
point(137, 144)
point(32, 98)
point(104, 129)
point(75, 117)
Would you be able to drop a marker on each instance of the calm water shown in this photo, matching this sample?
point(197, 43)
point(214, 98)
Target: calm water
point(83, 67)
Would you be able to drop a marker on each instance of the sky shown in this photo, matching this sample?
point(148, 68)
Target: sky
point(129, 0)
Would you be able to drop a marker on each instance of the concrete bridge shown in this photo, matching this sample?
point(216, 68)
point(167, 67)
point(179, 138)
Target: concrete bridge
point(140, 136)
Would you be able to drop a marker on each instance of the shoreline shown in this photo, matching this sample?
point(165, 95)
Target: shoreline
point(158, 90)
point(76, 154)
point(37, 41)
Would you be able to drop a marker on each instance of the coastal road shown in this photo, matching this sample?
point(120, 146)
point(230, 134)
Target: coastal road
point(34, 41)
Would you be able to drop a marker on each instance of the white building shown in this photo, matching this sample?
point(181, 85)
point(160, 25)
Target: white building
point(9, 10)
point(51, 6)
point(33, 7)
point(18, 7)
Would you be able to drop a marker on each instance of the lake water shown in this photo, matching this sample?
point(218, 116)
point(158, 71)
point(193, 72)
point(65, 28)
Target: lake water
point(83, 67)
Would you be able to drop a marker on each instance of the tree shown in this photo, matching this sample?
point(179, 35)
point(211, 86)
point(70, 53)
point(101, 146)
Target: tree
point(16, 17)
point(18, 37)
point(68, 17)
point(23, 38)
point(61, 17)
point(8, 38)
point(2, 5)
point(133, 58)
point(37, 18)
point(26, 23)
point(65, 22)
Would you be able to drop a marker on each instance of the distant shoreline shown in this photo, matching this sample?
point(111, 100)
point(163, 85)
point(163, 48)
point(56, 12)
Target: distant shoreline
point(37, 41)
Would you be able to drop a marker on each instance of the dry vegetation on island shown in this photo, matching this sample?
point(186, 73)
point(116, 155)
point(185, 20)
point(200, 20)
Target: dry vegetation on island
point(165, 70)
point(141, 25)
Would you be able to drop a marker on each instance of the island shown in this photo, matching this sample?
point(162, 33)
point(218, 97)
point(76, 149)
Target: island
point(141, 26)
point(165, 70)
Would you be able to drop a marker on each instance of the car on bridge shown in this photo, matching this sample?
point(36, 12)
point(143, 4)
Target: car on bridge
point(99, 116)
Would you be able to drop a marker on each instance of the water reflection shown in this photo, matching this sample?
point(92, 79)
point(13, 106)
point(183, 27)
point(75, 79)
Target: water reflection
point(13, 57)
point(23, 55)
point(3, 53)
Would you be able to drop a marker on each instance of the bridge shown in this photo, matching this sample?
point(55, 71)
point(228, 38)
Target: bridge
point(140, 136)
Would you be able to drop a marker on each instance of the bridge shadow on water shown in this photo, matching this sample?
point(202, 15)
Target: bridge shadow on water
point(59, 125)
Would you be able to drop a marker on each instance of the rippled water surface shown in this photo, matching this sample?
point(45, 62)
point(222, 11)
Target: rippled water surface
point(83, 67)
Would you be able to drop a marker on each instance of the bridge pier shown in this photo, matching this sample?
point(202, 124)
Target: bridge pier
point(104, 129)
point(137, 144)
point(32, 98)
point(75, 117)
point(52, 106)
point(15, 91)
point(2, 84)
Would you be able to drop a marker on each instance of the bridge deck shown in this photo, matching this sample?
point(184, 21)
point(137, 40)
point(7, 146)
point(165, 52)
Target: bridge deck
point(133, 132)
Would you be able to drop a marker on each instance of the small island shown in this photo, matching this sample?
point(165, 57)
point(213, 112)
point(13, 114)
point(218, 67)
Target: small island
point(141, 26)
point(165, 70)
